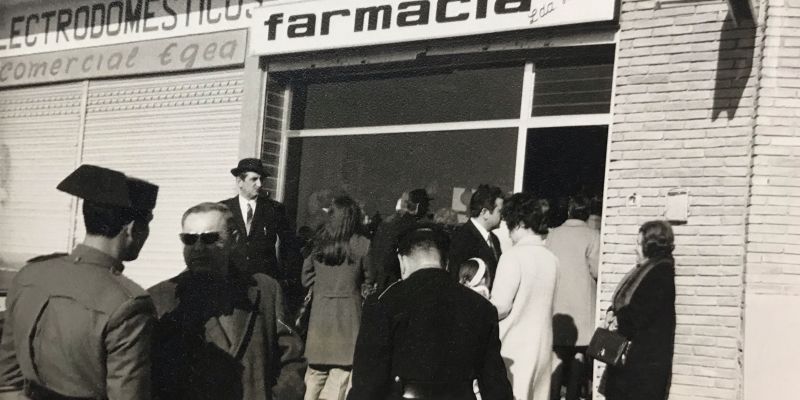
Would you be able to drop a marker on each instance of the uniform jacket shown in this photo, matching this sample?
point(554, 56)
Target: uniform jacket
point(269, 224)
point(203, 326)
point(467, 242)
point(577, 247)
point(336, 306)
point(407, 332)
point(78, 327)
point(523, 295)
point(648, 321)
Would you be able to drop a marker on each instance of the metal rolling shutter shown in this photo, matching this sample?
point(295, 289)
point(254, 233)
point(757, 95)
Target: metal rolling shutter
point(180, 132)
point(38, 137)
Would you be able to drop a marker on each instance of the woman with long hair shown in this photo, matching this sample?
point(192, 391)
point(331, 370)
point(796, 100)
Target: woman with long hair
point(336, 269)
point(643, 310)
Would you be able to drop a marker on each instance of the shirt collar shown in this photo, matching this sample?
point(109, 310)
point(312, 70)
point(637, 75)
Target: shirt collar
point(575, 222)
point(90, 255)
point(243, 202)
point(481, 229)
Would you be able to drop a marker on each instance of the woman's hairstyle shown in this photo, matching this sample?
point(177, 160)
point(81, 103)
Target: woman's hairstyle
point(526, 210)
point(467, 271)
point(343, 221)
point(658, 241)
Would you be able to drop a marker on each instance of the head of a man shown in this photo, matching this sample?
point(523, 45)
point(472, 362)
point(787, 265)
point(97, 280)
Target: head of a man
point(117, 209)
point(579, 207)
point(423, 246)
point(418, 203)
point(206, 237)
point(249, 173)
point(485, 206)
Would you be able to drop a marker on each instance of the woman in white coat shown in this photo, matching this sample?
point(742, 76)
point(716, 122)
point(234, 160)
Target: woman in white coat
point(523, 294)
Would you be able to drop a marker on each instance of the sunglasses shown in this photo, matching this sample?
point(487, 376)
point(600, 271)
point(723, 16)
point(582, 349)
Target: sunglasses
point(190, 239)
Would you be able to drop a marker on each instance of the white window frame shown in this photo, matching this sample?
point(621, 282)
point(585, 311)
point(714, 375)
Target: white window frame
point(523, 124)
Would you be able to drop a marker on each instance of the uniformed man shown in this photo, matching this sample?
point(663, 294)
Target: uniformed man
point(406, 349)
point(76, 328)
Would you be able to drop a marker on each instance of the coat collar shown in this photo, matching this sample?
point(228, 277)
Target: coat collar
point(535, 240)
point(575, 222)
point(89, 255)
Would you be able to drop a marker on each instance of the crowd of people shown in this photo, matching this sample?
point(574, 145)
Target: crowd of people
point(418, 306)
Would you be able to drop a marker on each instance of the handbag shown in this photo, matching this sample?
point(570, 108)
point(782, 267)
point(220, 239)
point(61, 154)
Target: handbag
point(609, 347)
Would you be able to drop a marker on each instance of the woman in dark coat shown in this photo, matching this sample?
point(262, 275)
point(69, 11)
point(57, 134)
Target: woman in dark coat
point(337, 269)
point(643, 310)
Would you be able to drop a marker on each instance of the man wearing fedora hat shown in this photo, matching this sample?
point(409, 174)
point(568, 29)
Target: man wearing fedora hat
point(261, 222)
point(76, 328)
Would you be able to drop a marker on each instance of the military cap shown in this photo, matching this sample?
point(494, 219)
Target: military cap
point(249, 165)
point(110, 187)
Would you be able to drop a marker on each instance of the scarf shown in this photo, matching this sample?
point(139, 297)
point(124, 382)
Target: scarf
point(630, 283)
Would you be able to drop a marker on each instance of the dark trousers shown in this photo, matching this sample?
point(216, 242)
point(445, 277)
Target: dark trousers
point(572, 371)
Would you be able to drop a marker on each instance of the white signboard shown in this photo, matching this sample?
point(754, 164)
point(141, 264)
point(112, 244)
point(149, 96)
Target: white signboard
point(281, 27)
point(32, 27)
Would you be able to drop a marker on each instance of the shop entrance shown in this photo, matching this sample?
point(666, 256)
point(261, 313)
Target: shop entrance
point(563, 162)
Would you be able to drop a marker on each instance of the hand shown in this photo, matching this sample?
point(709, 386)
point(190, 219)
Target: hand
point(611, 321)
point(367, 289)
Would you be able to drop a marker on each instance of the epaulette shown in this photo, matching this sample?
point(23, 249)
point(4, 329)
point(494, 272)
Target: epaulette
point(387, 289)
point(46, 257)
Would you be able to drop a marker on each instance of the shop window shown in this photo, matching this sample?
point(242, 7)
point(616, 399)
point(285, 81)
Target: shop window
point(570, 90)
point(442, 162)
point(430, 97)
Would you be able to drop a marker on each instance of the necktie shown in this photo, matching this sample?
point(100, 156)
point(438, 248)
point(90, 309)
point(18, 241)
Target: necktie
point(249, 217)
point(491, 246)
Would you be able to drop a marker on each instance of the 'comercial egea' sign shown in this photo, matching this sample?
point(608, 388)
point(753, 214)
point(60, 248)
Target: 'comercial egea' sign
point(281, 27)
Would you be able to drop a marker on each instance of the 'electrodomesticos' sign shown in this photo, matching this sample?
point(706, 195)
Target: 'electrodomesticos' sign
point(295, 26)
point(32, 27)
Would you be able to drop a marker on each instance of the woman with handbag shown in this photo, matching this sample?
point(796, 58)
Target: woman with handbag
point(643, 311)
point(337, 270)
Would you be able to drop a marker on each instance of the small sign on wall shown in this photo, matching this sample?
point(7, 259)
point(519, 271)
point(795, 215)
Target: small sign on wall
point(677, 209)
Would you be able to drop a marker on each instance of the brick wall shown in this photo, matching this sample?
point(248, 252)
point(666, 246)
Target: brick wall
point(773, 248)
point(683, 117)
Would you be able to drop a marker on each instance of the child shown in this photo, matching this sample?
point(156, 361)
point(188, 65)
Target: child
point(474, 275)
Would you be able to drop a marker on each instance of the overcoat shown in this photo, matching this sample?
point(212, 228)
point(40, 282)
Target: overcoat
point(269, 225)
point(577, 247)
point(648, 321)
point(88, 325)
point(523, 294)
point(407, 336)
point(224, 340)
point(383, 249)
point(467, 242)
point(336, 306)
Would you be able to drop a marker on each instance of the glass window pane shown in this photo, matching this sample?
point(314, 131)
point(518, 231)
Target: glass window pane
point(377, 169)
point(583, 89)
point(456, 95)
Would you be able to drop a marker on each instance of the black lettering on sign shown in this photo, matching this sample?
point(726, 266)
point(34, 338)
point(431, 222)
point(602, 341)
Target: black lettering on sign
point(272, 24)
point(55, 66)
point(172, 13)
point(326, 20)
point(238, 7)
point(298, 29)
point(480, 11)
point(15, 32)
point(147, 15)
point(64, 20)
point(98, 20)
point(35, 68)
point(30, 39)
point(114, 16)
point(3, 69)
point(208, 53)
point(19, 73)
point(81, 20)
point(189, 55)
point(114, 61)
point(47, 17)
point(412, 17)
point(133, 14)
point(131, 57)
point(373, 13)
point(165, 56)
point(441, 11)
point(228, 49)
point(511, 6)
point(218, 15)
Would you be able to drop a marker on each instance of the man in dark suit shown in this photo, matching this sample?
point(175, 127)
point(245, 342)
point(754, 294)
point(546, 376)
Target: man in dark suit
point(382, 257)
point(220, 333)
point(405, 348)
point(261, 223)
point(474, 238)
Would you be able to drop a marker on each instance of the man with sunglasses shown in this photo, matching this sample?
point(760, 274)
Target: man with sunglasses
point(76, 328)
point(220, 332)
